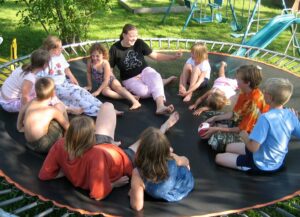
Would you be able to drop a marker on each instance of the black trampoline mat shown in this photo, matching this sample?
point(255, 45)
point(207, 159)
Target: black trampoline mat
point(217, 190)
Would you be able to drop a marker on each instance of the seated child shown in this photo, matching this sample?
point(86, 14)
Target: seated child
point(219, 95)
point(196, 72)
point(265, 149)
point(89, 157)
point(159, 172)
point(41, 123)
point(18, 88)
point(250, 104)
point(98, 67)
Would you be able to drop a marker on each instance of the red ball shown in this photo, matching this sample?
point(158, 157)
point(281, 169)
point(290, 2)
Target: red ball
point(202, 129)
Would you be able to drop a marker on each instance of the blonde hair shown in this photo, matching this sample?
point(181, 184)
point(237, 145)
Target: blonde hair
point(51, 42)
point(251, 74)
point(44, 88)
point(153, 154)
point(101, 49)
point(80, 136)
point(217, 100)
point(200, 52)
point(280, 90)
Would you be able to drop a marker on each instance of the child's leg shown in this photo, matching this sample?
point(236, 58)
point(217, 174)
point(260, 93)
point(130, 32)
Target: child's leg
point(184, 78)
point(62, 108)
point(236, 147)
point(108, 92)
point(121, 91)
point(195, 74)
point(223, 65)
point(170, 122)
point(106, 120)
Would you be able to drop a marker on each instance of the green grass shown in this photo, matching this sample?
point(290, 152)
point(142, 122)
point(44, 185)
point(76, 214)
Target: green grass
point(109, 25)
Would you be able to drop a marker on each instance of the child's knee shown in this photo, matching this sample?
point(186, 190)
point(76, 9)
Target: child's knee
point(107, 106)
point(219, 158)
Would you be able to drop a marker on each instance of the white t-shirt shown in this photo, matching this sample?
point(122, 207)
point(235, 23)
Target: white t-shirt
point(227, 85)
point(12, 86)
point(56, 69)
point(203, 66)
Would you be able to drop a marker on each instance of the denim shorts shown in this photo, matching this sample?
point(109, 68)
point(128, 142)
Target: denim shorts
point(102, 139)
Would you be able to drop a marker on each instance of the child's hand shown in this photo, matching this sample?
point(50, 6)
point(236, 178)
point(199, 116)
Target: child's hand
point(88, 88)
point(209, 132)
point(192, 107)
point(198, 111)
point(177, 55)
point(74, 81)
point(244, 135)
point(211, 120)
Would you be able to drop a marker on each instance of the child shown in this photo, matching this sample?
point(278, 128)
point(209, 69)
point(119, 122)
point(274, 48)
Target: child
point(108, 85)
point(266, 147)
point(196, 72)
point(18, 88)
point(219, 95)
point(89, 157)
point(250, 104)
point(70, 93)
point(159, 172)
point(41, 123)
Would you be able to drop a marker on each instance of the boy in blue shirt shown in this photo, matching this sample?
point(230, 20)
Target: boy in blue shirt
point(264, 150)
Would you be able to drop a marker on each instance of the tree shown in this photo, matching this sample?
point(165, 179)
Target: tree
point(69, 18)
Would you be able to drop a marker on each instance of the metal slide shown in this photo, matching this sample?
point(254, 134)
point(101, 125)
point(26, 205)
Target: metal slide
point(268, 33)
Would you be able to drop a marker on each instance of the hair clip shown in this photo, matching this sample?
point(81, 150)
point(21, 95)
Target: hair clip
point(258, 67)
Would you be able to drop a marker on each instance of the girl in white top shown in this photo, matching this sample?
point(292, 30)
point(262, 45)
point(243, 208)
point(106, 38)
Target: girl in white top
point(222, 93)
point(68, 91)
point(195, 73)
point(18, 88)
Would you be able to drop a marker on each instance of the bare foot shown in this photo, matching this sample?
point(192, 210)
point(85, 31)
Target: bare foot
point(135, 105)
point(182, 90)
point(169, 80)
point(172, 120)
point(120, 113)
point(75, 111)
point(187, 98)
point(165, 110)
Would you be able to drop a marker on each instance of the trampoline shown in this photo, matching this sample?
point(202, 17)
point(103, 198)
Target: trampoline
point(218, 190)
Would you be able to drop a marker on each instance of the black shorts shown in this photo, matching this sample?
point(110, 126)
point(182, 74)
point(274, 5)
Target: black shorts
point(102, 139)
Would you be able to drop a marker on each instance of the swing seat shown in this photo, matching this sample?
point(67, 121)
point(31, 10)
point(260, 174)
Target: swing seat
point(207, 19)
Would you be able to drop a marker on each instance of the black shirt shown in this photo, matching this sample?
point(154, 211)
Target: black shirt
point(129, 60)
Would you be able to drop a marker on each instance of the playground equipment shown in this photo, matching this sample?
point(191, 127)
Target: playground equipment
point(235, 26)
point(13, 52)
point(198, 11)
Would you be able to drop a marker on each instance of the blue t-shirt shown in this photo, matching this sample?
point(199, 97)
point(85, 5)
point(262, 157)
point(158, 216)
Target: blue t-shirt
point(177, 186)
point(273, 132)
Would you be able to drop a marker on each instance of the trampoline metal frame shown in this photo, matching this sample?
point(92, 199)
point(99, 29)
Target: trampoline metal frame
point(277, 59)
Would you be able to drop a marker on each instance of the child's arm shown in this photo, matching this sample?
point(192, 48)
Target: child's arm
point(71, 76)
point(20, 121)
point(136, 192)
point(50, 168)
point(89, 77)
point(251, 145)
point(107, 74)
point(60, 118)
point(212, 130)
point(26, 90)
point(181, 160)
point(200, 100)
point(225, 116)
point(200, 110)
point(162, 57)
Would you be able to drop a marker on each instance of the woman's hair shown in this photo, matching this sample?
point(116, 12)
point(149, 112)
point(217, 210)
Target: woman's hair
point(51, 42)
point(153, 154)
point(251, 74)
point(126, 28)
point(217, 100)
point(280, 90)
point(44, 88)
point(38, 59)
point(200, 51)
point(80, 136)
point(101, 49)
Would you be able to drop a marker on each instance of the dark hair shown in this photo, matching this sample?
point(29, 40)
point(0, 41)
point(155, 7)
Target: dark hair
point(251, 74)
point(126, 28)
point(38, 59)
point(101, 49)
point(153, 154)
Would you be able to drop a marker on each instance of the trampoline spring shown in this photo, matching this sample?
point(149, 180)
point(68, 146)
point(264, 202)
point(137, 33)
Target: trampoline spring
point(296, 206)
point(83, 48)
point(66, 214)
point(284, 212)
point(263, 214)
point(25, 208)
point(243, 215)
point(6, 214)
point(10, 201)
point(221, 47)
point(273, 56)
point(6, 191)
point(288, 63)
point(265, 54)
point(169, 44)
point(46, 212)
point(212, 47)
point(231, 46)
point(73, 49)
point(177, 44)
point(280, 60)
